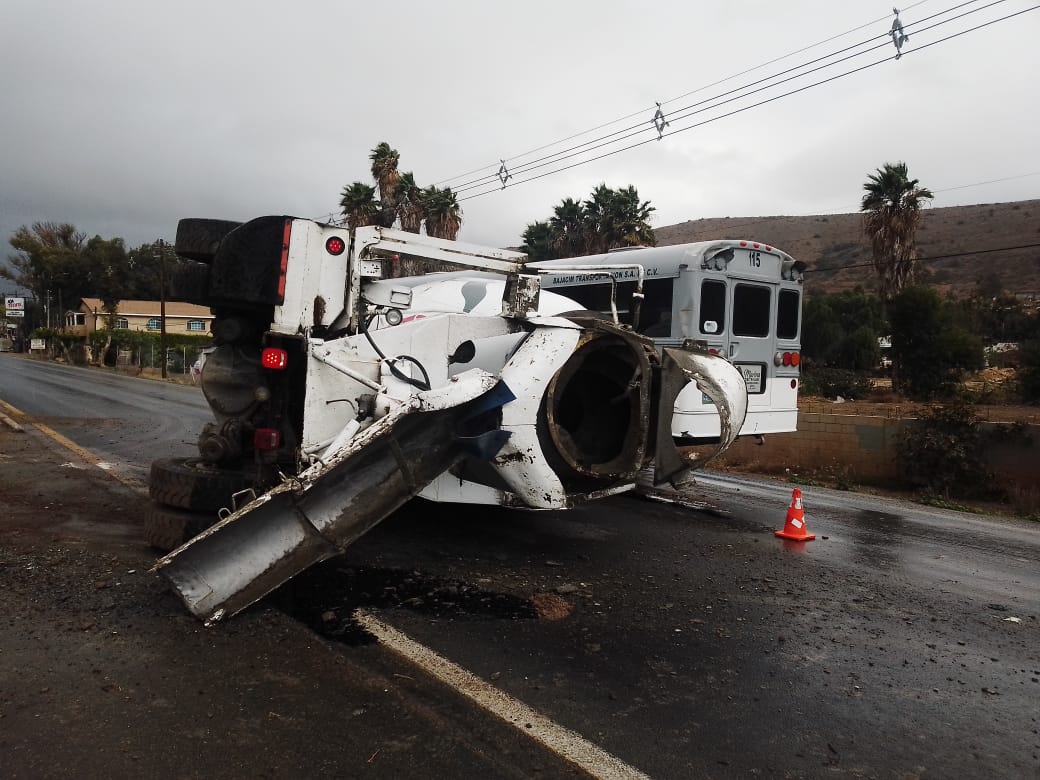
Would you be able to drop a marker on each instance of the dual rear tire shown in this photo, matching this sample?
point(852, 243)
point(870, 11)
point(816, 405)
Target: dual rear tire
point(187, 494)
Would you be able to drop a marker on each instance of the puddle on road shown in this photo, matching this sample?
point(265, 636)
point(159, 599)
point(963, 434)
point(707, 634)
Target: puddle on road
point(326, 597)
point(878, 520)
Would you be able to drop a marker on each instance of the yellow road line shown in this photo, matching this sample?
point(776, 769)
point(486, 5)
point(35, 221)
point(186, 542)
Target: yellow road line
point(81, 452)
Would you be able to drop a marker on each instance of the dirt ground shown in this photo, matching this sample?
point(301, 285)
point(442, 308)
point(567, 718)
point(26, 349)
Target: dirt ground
point(104, 673)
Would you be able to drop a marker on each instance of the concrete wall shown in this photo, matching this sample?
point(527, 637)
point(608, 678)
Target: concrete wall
point(861, 447)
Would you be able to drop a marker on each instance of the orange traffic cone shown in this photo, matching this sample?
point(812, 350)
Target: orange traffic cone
point(794, 527)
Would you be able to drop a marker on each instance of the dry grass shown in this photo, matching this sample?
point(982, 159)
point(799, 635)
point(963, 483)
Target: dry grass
point(835, 241)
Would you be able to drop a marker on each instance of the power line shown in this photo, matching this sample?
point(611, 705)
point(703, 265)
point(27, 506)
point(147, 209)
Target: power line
point(560, 158)
point(934, 257)
point(641, 127)
point(644, 111)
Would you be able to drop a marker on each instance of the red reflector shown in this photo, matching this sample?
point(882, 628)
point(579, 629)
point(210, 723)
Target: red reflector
point(713, 351)
point(755, 246)
point(266, 439)
point(743, 243)
point(794, 383)
point(769, 249)
point(335, 245)
point(274, 358)
point(283, 266)
point(795, 358)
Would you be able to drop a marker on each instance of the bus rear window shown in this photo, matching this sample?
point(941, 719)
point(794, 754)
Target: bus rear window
point(750, 310)
point(787, 315)
point(712, 311)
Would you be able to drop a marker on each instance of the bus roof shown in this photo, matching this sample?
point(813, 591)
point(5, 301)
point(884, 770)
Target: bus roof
point(664, 259)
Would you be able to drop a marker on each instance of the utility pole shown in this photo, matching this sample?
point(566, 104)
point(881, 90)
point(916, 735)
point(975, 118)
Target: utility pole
point(162, 304)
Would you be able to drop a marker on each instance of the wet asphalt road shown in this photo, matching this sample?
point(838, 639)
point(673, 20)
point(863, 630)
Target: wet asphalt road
point(126, 421)
point(903, 641)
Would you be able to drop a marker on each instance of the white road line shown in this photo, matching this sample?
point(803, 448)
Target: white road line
point(565, 743)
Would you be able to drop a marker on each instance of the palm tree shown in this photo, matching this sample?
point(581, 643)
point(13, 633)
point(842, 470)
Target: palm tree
point(442, 212)
point(409, 199)
point(605, 220)
point(538, 242)
point(570, 228)
point(629, 220)
point(384, 170)
point(359, 204)
point(892, 212)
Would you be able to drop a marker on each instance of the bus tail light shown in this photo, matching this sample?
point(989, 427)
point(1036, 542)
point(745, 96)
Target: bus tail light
point(791, 359)
point(274, 358)
point(266, 439)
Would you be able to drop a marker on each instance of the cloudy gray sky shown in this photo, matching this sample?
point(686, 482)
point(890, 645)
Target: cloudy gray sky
point(122, 116)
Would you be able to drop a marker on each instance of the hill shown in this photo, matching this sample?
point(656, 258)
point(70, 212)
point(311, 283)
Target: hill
point(839, 256)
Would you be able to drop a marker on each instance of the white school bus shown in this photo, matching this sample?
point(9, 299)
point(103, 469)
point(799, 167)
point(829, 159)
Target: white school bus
point(742, 299)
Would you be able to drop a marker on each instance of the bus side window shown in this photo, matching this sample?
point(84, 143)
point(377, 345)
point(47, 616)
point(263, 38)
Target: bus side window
point(787, 315)
point(655, 315)
point(712, 309)
point(751, 310)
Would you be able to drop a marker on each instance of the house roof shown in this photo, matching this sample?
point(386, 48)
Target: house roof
point(150, 308)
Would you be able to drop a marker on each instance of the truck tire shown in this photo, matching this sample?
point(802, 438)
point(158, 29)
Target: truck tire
point(166, 528)
point(190, 283)
point(194, 484)
point(198, 239)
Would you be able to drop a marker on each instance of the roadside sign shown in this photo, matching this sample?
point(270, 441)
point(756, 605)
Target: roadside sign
point(15, 306)
point(37, 344)
point(15, 313)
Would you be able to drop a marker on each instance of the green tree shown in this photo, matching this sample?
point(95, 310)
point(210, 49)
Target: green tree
point(892, 207)
point(442, 212)
point(821, 332)
point(48, 263)
point(108, 264)
point(930, 349)
point(841, 330)
point(359, 204)
point(144, 272)
point(1029, 376)
point(1029, 355)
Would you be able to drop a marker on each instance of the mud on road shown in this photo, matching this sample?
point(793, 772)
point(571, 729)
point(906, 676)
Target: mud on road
point(104, 673)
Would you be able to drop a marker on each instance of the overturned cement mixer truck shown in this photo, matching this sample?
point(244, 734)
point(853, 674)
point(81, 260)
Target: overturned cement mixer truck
point(339, 393)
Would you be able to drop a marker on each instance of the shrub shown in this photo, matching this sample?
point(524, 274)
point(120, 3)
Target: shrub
point(941, 453)
point(834, 382)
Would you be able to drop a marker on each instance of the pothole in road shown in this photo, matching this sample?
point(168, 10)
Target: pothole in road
point(326, 597)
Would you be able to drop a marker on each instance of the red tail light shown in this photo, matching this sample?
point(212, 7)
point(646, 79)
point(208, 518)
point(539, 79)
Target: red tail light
point(793, 359)
point(273, 358)
point(266, 439)
point(335, 246)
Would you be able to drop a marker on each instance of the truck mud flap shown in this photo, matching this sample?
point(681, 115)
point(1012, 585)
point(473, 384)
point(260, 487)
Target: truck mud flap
point(317, 514)
point(718, 379)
